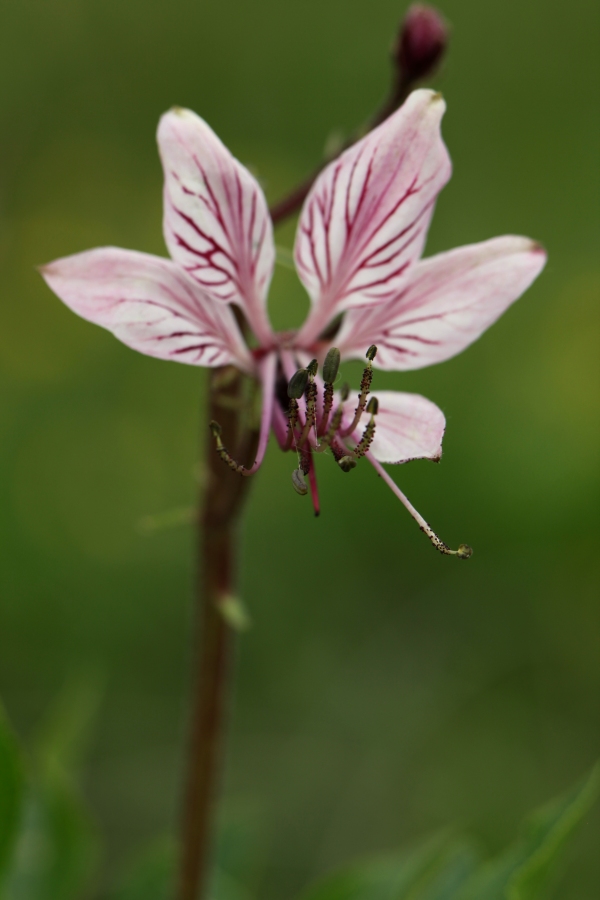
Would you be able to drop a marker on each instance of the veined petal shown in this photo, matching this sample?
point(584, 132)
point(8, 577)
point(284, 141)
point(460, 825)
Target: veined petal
point(366, 218)
point(448, 302)
point(408, 426)
point(150, 304)
point(216, 221)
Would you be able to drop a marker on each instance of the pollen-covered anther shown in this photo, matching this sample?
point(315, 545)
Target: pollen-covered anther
point(297, 384)
point(464, 551)
point(331, 367)
point(312, 368)
point(222, 450)
point(347, 463)
point(299, 483)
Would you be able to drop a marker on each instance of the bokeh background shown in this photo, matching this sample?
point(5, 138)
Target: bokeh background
point(384, 692)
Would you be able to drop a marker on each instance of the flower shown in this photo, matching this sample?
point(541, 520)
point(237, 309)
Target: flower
point(359, 240)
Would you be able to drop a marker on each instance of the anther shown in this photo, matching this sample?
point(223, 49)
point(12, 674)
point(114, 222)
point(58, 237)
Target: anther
point(373, 406)
point(371, 353)
point(299, 483)
point(464, 551)
point(312, 368)
point(330, 370)
point(347, 463)
point(331, 365)
point(222, 450)
point(297, 384)
point(345, 392)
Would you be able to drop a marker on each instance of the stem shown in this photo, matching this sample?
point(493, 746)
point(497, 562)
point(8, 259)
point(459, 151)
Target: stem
point(290, 204)
point(213, 649)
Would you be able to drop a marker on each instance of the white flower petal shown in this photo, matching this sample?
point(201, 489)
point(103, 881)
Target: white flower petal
point(408, 426)
point(448, 302)
point(366, 218)
point(150, 304)
point(216, 220)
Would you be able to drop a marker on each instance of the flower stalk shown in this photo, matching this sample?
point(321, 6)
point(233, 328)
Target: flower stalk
point(213, 647)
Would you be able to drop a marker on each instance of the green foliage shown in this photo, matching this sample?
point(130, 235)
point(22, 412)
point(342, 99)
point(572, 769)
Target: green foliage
point(446, 871)
point(523, 871)
point(48, 846)
point(150, 876)
point(54, 845)
point(11, 788)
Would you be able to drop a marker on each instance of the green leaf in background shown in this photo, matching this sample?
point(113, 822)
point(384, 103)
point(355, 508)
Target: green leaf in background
point(523, 871)
point(240, 860)
point(150, 877)
point(443, 870)
point(11, 790)
point(56, 848)
point(389, 878)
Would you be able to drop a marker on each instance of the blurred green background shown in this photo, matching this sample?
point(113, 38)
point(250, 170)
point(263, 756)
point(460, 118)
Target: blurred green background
point(384, 691)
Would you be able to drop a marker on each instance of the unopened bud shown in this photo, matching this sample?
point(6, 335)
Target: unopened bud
point(421, 43)
point(464, 551)
point(371, 353)
point(312, 367)
point(297, 384)
point(215, 428)
point(299, 482)
point(373, 406)
point(347, 463)
point(344, 392)
point(331, 365)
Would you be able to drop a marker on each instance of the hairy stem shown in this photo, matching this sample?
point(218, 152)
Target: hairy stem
point(213, 647)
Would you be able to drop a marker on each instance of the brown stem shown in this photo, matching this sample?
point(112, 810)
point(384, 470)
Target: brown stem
point(290, 204)
point(217, 550)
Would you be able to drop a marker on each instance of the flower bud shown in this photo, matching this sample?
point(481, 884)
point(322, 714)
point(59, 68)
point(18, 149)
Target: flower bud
point(421, 43)
point(297, 384)
point(331, 365)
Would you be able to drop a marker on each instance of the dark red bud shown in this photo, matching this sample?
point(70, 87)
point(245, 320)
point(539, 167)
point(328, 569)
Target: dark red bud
point(421, 43)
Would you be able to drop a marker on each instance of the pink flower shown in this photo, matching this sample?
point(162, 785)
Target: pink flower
point(358, 246)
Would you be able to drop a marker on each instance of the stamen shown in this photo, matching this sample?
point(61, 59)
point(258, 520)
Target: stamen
point(463, 552)
point(312, 480)
point(299, 483)
point(365, 386)
point(297, 384)
point(292, 418)
point(336, 421)
point(222, 449)
point(345, 460)
point(330, 369)
point(311, 395)
point(369, 433)
point(268, 369)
